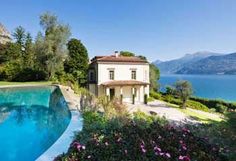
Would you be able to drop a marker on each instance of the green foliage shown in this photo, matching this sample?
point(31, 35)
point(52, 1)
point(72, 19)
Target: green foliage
point(150, 99)
point(197, 105)
point(171, 99)
point(53, 43)
point(154, 75)
point(210, 103)
point(142, 57)
point(43, 59)
point(221, 108)
point(170, 90)
point(126, 53)
point(77, 60)
point(142, 138)
point(221, 133)
point(155, 95)
point(112, 108)
point(19, 35)
point(183, 89)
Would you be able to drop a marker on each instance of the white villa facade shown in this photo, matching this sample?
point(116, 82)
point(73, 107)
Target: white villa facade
point(126, 78)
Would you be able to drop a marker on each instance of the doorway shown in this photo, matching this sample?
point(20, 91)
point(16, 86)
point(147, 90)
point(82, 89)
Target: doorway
point(112, 93)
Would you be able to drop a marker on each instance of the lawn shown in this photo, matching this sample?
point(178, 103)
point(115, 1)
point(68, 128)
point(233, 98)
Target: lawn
point(4, 83)
point(203, 117)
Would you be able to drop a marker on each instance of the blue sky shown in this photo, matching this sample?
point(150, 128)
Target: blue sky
point(158, 29)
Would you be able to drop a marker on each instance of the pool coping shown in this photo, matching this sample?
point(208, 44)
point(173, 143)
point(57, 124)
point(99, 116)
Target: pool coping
point(63, 142)
point(76, 123)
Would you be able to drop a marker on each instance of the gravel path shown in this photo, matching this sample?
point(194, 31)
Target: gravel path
point(162, 109)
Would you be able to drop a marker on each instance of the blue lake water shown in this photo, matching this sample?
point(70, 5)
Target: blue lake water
point(207, 86)
point(31, 120)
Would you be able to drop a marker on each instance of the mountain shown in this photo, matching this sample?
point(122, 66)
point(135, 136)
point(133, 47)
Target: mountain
point(157, 62)
point(173, 66)
point(221, 64)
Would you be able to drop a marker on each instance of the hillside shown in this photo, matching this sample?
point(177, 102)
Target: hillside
point(224, 64)
point(173, 66)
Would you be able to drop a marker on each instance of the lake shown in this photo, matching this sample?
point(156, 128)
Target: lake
point(206, 86)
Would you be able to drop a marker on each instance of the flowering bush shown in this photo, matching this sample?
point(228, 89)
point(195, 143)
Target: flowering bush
point(130, 141)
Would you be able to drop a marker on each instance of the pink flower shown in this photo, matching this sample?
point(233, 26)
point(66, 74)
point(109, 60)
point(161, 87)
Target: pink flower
point(119, 139)
point(89, 156)
point(184, 158)
point(161, 154)
point(186, 130)
point(126, 151)
point(157, 149)
point(106, 143)
point(144, 150)
point(168, 155)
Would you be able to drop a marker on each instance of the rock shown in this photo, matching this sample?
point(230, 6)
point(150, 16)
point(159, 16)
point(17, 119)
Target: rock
point(5, 36)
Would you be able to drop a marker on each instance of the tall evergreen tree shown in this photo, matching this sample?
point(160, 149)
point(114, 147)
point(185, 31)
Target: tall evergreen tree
point(19, 35)
point(77, 61)
point(28, 52)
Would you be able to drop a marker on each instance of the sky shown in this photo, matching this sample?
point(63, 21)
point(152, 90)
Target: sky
point(157, 29)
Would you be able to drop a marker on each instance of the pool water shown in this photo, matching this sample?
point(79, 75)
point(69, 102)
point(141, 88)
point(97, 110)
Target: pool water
point(31, 120)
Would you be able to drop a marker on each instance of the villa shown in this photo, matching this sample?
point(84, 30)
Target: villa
point(116, 76)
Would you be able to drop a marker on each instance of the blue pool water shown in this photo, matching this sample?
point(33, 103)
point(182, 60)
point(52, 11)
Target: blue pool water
point(207, 86)
point(31, 120)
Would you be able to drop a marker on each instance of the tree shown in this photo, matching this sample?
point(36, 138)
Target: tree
point(19, 35)
point(126, 53)
point(77, 60)
point(154, 75)
point(28, 52)
point(183, 89)
point(54, 44)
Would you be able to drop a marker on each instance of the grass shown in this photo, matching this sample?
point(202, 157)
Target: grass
point(203, 117)
point(4, 83)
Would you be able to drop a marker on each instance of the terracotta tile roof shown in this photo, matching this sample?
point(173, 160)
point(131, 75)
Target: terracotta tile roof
point(113, 58)
point(124, 82)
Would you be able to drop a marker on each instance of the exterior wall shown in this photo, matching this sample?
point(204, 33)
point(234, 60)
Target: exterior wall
point(126, 91)
point(92, 88)
point(123, 72)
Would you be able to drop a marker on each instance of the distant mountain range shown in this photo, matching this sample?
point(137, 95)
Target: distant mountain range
point(200, 63)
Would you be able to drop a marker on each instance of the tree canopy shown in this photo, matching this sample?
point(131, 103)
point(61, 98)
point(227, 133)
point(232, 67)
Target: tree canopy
point(77, 60)
point(183, 89)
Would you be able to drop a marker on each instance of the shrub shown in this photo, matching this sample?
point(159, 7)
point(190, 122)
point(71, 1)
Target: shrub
point(155, 95)
point(197, 105)
point(150, 99)
point(112, 108)
point(171, 99)
point(221, 108)
point(140, 143)
point(210, 103)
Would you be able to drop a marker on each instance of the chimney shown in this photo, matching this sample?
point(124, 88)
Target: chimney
point(117, 54)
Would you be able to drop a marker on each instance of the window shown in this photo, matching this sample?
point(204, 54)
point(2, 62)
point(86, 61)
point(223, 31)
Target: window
point(111, 74)
point(91, 77)
point(133, 74)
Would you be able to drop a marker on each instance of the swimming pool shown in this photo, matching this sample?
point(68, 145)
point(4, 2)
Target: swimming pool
point(31, 120)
